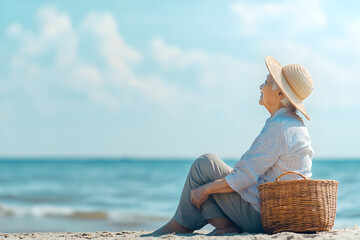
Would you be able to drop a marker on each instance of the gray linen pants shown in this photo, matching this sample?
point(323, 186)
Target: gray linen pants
point(208, 168)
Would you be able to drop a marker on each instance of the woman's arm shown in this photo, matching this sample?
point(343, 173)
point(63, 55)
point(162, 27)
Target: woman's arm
point(200, 195)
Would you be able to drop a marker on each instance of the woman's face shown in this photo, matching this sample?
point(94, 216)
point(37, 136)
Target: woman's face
point(269, 97)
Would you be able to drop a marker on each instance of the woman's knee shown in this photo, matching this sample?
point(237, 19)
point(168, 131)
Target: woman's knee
point(208, 167)
point(206, 159)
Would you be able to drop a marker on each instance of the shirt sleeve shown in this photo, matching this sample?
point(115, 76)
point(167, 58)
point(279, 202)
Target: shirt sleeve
point(263, 153)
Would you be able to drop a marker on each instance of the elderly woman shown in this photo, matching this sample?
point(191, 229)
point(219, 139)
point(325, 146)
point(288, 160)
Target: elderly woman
point(228, 198)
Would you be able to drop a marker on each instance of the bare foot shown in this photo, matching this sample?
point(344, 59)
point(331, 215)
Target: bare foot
point(222, 226)
point(171, 227)
point(229, 229)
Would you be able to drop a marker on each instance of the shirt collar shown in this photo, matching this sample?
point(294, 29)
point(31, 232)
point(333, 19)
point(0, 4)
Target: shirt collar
point(279, 112)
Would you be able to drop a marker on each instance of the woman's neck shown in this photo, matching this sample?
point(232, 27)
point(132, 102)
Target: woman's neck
point(274, 109)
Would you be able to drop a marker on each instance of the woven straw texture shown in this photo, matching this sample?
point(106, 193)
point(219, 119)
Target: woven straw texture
point(294, 80)
point(298, 205)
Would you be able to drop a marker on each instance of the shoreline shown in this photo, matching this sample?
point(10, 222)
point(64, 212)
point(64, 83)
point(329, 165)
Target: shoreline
point(345, 233)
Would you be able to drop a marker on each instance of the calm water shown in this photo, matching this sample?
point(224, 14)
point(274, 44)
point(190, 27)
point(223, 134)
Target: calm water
point(99, 195)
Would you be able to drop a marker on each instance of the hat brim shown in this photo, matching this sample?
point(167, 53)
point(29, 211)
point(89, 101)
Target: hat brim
point(275, 69)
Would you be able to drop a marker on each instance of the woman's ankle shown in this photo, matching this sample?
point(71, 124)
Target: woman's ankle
point(172, 227)
point(220, 222)
point(229, 229)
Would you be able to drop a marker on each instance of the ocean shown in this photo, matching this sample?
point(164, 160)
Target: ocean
point(88, 195)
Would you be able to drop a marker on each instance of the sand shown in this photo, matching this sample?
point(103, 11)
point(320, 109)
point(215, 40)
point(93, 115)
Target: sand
point(343, 234)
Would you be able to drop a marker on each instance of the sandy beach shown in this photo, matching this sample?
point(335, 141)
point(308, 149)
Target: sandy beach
point(346, 233)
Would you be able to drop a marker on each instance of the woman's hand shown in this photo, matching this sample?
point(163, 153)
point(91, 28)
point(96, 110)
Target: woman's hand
point(199, 196)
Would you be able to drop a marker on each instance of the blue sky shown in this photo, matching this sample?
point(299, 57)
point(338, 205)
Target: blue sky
point(170, 78)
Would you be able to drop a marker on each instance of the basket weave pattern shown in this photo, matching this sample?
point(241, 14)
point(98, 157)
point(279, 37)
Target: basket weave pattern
point(298, 205)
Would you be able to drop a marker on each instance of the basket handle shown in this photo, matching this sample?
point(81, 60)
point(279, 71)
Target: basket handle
point(289, 173)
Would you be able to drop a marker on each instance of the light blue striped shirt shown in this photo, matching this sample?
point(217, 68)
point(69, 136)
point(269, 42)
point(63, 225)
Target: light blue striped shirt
point(283, 145)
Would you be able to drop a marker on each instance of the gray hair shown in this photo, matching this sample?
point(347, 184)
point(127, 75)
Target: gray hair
point(285, 101)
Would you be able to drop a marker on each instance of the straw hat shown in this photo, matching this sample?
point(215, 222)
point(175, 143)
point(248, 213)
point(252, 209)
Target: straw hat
point(294, 81)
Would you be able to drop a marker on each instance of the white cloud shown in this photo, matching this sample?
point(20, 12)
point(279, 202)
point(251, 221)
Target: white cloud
point(227, 86)
point(56, 34)
point(116, 84)
point(346, 45)
point(170, 56)
point(216, 70)
point(285, 17)
point(89, 79)
point(121, 58)
point(112, 45)
point(14, 29)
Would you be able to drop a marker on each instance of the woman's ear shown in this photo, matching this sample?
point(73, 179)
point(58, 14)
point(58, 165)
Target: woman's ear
point(281, 95)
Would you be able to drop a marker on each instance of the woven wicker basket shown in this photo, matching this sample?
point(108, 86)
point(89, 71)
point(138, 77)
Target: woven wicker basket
point(298, 205)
